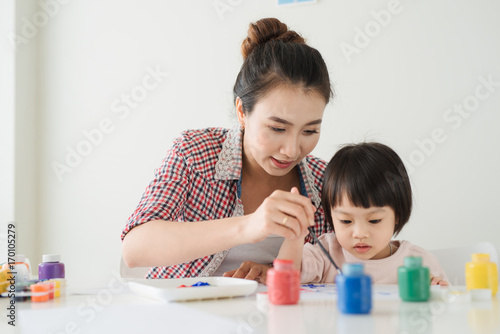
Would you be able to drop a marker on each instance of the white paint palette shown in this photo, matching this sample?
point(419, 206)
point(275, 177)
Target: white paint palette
point(168, 289)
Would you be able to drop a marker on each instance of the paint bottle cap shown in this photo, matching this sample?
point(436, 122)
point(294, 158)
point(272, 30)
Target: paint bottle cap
point(352, 269)
point(262, 296)
point(413, 261)
point(480, 257)
point(19, 258)
point(282, 264)
point(51, 258)
point(480, 294)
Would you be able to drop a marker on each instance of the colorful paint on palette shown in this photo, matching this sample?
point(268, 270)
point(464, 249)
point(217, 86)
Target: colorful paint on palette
point(199, 283)
point(313, 286)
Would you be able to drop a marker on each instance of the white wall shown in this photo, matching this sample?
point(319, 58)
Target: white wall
point(396, 89)
point(7, 60)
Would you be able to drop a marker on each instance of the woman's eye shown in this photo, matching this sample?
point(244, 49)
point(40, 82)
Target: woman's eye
point(276, 129)
point(311, 132)
point(375, 221)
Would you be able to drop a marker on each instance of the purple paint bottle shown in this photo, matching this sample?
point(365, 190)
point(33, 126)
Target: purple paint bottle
point(51, 267)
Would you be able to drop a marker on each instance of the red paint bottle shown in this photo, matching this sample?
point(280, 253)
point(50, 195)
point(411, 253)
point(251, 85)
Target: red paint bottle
point(283, 282)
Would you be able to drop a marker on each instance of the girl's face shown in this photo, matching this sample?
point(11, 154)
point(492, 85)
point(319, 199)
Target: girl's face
point(365, 233)
point(281, 130)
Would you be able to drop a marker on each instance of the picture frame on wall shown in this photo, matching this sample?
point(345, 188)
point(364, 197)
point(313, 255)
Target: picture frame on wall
point(294, 2)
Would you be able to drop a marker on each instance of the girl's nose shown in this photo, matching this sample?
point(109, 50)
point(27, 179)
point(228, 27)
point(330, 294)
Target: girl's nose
point(360, 232)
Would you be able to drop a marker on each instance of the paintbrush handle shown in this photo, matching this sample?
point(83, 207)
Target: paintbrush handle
point(324, 250)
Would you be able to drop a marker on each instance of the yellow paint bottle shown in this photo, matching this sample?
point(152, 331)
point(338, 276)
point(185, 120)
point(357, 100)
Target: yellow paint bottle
point(58, 286)
point(5, 279)
point(481, 273)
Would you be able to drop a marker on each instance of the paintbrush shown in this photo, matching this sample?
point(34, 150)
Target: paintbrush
point(324, 250)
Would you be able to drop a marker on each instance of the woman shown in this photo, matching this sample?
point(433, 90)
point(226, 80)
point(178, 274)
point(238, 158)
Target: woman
point(221, 203)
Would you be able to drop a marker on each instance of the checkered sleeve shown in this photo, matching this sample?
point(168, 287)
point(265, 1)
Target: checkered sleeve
point(317, 167)
point(164, 197)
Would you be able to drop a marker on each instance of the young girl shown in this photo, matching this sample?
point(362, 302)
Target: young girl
point(367, 199)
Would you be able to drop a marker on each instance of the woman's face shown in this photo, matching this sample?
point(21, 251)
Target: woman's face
point(282, 129)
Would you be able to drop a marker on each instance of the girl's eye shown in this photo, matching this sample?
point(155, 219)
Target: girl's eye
point(375, 221)
point(276, 129)
point(345, 221)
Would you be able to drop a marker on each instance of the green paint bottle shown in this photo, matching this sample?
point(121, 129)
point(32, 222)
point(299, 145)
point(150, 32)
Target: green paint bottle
point(414, 280)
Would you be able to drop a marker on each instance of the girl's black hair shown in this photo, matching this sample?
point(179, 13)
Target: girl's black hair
point(368, 174)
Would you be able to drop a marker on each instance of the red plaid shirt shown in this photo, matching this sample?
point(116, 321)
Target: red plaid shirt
point(198, 181)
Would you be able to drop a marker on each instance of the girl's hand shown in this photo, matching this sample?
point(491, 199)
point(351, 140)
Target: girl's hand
point(287, 214)
point(250, 270)
point(438, 281)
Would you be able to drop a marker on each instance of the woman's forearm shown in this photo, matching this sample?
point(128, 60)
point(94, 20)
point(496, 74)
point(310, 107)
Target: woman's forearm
point(164, 243)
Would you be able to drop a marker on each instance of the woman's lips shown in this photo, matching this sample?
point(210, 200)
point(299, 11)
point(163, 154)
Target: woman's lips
point(281, 163)
point(362, 248)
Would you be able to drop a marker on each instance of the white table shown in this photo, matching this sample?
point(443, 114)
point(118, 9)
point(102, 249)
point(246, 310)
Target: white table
point(117, 310)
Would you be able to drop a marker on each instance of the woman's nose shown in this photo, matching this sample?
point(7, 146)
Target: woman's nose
point(290, 147)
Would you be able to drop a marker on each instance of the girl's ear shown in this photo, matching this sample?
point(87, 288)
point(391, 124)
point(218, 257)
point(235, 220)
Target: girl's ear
point(240, 113)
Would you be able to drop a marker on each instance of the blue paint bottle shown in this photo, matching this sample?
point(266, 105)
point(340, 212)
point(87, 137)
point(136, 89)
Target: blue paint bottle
point(354, 289)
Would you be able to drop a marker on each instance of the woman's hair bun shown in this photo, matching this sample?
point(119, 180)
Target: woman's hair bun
point(266, 30)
